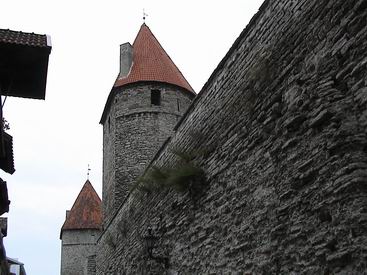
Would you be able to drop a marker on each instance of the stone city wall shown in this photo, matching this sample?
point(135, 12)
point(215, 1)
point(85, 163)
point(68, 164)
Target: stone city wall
point(282, 122)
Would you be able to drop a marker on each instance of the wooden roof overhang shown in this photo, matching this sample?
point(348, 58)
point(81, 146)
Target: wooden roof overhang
point(23, 64)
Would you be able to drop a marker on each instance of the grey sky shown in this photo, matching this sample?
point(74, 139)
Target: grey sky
point(54, 140)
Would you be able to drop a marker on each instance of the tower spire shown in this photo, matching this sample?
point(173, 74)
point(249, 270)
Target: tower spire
point(144, 15)
point(88, 172)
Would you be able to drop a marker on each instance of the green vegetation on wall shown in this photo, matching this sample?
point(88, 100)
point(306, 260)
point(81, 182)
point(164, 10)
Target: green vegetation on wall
point(186, 175)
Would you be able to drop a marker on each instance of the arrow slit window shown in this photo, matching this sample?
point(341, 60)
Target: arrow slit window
point(155, 97)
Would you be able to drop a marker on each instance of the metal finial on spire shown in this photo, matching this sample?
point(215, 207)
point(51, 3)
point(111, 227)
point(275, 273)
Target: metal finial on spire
point(144, 15)
point(88, 172)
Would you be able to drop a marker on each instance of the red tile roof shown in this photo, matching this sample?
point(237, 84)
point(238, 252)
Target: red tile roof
point(86, 212)
point(152, 63)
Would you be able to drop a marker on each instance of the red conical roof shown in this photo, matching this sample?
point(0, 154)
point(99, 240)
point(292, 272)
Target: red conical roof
point(152, 63)
point(86, 212)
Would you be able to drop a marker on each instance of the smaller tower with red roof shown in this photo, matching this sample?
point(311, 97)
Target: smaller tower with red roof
point(147, 100)
point(80, 232)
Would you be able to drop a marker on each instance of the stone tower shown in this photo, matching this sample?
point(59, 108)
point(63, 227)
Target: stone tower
point(147, 100)
point(80, 232)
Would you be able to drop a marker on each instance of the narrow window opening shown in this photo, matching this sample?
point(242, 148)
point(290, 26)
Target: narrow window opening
point(178, 104)
point(155, 97)
point(109, 124)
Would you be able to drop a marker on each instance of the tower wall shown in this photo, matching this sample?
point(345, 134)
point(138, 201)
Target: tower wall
point(77, 247)
point(133, 131)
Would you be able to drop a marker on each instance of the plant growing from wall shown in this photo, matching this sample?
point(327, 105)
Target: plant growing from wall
point(123, 227)
point(184, 176)
point(110, 241)
point(260, 75)
point(6, 125)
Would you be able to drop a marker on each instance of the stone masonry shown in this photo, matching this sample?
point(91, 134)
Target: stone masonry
point(283, 121)
point(77, 247)
point(133, 132)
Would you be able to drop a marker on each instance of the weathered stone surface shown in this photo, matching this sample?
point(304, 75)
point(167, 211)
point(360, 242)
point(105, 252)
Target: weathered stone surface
point(133, 132)
point(288, 199)
point(77, 247)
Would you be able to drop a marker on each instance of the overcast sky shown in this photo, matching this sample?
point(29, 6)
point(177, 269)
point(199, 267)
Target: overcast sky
point(56, 139)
